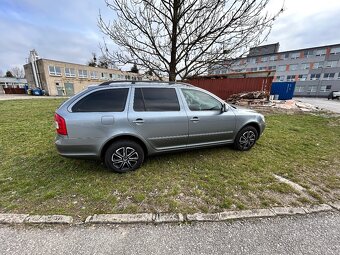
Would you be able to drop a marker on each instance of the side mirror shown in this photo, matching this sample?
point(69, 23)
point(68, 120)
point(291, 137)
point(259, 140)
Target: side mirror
point(224, 108)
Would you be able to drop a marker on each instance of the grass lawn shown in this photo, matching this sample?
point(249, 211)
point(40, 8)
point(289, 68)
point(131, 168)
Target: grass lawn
point(35, 179)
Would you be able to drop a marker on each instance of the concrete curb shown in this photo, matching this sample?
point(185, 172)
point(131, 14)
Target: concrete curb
point(159, 218)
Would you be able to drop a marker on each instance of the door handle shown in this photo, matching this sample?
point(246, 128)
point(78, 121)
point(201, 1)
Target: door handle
point(138, 121)
point(195, 119)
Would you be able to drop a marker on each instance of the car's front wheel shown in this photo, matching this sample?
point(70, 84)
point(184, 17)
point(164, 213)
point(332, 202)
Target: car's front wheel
point(246, 138)
point(124, 156)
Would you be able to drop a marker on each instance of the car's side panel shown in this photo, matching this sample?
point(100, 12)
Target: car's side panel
point(162, 130)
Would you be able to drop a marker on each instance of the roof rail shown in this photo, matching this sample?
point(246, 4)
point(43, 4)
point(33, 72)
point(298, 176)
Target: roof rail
point(141, 81)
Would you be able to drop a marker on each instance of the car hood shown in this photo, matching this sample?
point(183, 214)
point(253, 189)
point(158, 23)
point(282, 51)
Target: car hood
point(242, 110)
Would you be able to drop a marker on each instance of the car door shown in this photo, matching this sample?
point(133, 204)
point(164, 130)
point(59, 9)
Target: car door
point(158, 116)
point(208, 123)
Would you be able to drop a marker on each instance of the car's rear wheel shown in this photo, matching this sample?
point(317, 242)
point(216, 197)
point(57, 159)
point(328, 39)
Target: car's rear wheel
point(246, 138)
point(124, 156)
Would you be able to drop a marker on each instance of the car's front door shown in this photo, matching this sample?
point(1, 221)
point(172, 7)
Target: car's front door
point(208, 123)
point(158, 116)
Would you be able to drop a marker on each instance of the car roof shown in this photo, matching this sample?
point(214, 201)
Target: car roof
point(142, 84)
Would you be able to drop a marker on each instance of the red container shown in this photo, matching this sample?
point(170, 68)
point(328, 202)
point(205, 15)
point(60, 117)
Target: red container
point(224, 87)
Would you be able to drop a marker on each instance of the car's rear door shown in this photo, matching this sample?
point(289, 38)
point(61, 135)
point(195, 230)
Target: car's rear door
point(158, 116)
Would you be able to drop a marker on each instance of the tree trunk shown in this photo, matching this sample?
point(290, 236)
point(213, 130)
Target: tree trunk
point(173, 61)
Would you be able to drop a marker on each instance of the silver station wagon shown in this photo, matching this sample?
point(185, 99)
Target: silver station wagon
point(122, 122)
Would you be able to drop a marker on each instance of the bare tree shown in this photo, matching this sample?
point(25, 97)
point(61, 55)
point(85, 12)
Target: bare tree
point(184, 37)
point(18, 72)
point(92, 62)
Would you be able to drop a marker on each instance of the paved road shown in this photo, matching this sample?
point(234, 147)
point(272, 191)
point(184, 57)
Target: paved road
point(308, 234)
point(331, 105)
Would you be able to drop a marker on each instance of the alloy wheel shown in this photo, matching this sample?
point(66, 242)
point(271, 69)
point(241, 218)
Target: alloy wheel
point(247, 140)
point(125, 158)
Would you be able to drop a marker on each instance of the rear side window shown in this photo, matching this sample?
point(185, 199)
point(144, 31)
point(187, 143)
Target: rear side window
point(108, 100)
point(155, 100)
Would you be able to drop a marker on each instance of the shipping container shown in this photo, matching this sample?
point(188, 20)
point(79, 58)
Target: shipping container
point(284, 90)
point(224, 87)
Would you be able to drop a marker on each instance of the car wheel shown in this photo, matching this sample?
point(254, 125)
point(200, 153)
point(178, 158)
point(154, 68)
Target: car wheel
point(246, 138)
point(124, 156)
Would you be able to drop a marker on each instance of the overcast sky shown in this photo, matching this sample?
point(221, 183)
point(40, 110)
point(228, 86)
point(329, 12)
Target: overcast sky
point(67, 30)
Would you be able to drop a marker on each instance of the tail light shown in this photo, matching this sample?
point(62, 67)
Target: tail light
point(60, 124)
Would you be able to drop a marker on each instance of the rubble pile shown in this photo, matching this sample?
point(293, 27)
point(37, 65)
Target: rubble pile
point(254, 97)
point(295, 105)
point(261, 98)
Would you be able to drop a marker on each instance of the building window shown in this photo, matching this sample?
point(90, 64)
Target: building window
point(280, 78)
point(335, 51)
point(303, 77)
point(309, 53)
point(328, 76)
point(253, 69)
point(290, 77)
point(94, 74)
point(299, 88)
point(320, 52)
point(325, 88)
point(264, 59)
point(262, 68)
point(295, 55)
point(312, 88)
point(293, 67)
point(273, 58)
point(104, 76)
point(281, 68)
point(318, 65)
point(305, 66)
point(251, 60)
point(314, 77)
point(284, 56)
point(54, 70)
point(271, 67)
point(82, 73)
point(70, 72)
point(331, 63)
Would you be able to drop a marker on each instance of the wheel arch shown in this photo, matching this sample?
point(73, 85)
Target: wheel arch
point(123, 137)
point(254, 125)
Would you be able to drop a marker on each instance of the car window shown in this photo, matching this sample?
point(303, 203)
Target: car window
point(200, 101)
point(108, 100)
point(155, 99)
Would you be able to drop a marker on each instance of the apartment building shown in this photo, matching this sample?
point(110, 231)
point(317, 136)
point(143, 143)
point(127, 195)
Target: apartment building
point(316, 70)
point(59, 78)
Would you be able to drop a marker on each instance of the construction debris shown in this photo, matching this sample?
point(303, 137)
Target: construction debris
point(248, 95)
point(261, 98)
point(294, 105)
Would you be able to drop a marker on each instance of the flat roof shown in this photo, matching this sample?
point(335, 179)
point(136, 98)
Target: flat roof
point(289, 51)
point(82, 65)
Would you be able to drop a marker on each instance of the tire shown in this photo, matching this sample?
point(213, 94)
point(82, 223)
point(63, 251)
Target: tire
point(246, 138)
point(124, 156)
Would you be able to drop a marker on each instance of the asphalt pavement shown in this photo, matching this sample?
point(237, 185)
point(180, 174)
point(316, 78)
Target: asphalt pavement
point(324, 103)
point(305, 234)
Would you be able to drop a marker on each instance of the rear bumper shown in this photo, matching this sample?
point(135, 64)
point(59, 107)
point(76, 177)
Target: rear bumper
point(76, 148)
